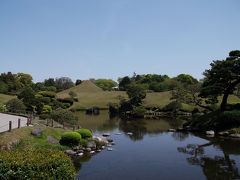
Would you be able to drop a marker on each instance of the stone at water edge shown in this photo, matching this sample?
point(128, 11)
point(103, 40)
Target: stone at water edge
point(80, 154)
point(106, 134)
point(110, 149)
point(101, 139)
point(172, 130)
point(235, 135)
point(70, 152)
point(99, 150)
point(223, 133)
point(211, 133)
point(88, 149)
point(130, 133)
point(92, 152)
point(109, 140)
point(92, 145)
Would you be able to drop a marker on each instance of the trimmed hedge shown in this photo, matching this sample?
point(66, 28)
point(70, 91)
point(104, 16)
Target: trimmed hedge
point(70, 139)
point(66, 100)
point(85, 133)
point(49, 94)
point(37, 164)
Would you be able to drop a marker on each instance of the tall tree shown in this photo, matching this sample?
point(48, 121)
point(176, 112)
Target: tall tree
point(222, 78)
point(136, 94)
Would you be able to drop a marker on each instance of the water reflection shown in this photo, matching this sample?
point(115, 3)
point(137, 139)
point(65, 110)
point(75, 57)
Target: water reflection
point(221, 166)
point(136, 127)
point(139, 128)
point(180, 136)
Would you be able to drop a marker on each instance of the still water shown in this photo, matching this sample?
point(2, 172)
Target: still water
point(153, 153)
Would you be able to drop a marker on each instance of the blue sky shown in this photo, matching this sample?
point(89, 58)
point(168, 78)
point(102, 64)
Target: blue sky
point(112, 38)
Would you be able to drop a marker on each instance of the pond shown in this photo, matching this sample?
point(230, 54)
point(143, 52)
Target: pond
point(153, 153)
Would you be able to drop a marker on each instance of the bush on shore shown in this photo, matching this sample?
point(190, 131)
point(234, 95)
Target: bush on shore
point(70, 139)
point(85, 133)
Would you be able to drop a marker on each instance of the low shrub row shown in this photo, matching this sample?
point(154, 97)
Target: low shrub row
point(36, 164)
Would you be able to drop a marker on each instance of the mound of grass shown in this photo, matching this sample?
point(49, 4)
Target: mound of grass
point(5, 98)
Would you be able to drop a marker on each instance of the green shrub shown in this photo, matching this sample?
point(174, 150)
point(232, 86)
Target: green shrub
point(84, 142)
point(46, 109)
point(230, 119)
point(3, 108)
point(138, 112)
point(16, 106)
point(85, 133)
point(66, 100)
point(70, 139)
point(49, 94)
point(37, 164)
point(62, 116)
point(173, 106)
point(66, 105)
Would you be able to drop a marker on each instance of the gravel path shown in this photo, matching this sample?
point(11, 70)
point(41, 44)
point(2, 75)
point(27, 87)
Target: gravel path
point(4, 122)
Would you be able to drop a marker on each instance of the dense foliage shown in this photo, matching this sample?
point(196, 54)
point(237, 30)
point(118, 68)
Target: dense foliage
point(37, 164)
point(13, 83)
point(70, 139)
point(64, 116)
point(85, 133)
point(105, 84)
point(15, 106)
point(222, 79)
point(155, 82)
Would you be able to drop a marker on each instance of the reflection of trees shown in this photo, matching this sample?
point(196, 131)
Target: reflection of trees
point(180, 136)
point(77, 161)
point(136, 127)
point(109, 124)
point(218, 167)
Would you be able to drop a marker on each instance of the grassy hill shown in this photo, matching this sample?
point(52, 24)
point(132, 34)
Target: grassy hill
point(5, 98)
point(90, 95)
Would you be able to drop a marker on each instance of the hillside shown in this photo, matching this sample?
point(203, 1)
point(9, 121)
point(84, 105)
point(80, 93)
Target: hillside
point(5, 98)
point(90, 95)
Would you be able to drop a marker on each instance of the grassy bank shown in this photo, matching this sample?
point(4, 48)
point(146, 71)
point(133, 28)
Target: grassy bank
point(90, 95)
point(5, 98)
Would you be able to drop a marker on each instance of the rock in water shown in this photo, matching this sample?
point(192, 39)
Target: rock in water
point(80, 154)
point(130, 133)
point(172, 130)
point(110, 149)
point(106, 134)
point(211, 133)
point(235, 135)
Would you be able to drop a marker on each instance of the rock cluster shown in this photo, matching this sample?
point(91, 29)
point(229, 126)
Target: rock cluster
point(95, 145)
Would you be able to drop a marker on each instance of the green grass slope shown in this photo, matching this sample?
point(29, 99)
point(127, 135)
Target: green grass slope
point(90, 95)
point(5, 98)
